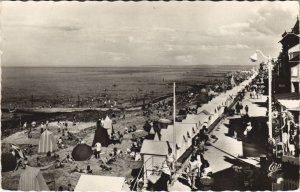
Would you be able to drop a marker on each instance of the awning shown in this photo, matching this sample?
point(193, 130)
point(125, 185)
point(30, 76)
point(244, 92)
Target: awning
point(154, 147)
point(99, 183)
point(290, 104)
point(287, 96)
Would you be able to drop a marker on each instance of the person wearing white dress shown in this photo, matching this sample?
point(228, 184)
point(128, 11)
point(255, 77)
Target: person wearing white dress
point(98, 150)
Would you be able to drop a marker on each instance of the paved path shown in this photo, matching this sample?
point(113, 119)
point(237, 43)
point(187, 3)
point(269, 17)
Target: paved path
point(225, 152)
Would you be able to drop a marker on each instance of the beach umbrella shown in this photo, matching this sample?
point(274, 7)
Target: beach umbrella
point(82, 152)
point(203, 90)
point(163, 123)
point(8, 162)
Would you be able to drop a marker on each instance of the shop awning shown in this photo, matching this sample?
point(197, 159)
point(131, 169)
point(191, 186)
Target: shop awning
point(287, 96)
point(290, 104)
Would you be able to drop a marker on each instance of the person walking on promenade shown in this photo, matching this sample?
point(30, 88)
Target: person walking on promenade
point(248, 130)
point(170, 160)
point(194, 169)
point(246, 109)
point(237, 108)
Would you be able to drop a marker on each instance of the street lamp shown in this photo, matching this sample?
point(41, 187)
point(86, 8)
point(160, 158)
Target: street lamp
point(254, 58)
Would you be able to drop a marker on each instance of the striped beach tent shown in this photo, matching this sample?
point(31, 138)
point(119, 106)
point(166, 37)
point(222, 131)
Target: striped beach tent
point(47, 142)
point(31, 179)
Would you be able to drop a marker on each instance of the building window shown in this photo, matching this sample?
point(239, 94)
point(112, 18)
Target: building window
point(295, 87)
point(295, 71)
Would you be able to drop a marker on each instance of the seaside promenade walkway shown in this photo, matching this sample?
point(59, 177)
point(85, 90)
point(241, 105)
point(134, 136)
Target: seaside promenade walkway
point(228, 151)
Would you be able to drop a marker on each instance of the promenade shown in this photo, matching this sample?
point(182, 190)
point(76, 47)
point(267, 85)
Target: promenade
point(227, 151)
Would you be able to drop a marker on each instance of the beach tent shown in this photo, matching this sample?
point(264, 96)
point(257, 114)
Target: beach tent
point(153, 153)
point(180, 140)
point(99, 183)
point(82, 152)
point(8, 162)
point(31, 179)
point(152, 132)
point(47, 142)
point(101, 135)
point(192, 118)
point(190, 128)
point(107, 124)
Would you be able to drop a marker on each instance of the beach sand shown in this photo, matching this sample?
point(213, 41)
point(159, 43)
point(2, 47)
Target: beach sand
point(62, 176)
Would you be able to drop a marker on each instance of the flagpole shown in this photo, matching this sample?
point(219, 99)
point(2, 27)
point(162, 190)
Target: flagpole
point(174, 130)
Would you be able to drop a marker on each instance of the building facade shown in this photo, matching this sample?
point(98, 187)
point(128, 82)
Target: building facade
point(286, 77)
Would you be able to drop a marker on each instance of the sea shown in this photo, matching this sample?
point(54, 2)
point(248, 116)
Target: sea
point(65, 86)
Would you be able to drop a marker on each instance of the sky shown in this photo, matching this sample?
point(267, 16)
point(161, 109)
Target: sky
point(141, 33)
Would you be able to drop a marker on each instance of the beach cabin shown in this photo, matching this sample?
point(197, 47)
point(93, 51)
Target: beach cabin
point(153, 154)
point(99, 183)
point(47, 142)
point(107, 124)
point(181, 141)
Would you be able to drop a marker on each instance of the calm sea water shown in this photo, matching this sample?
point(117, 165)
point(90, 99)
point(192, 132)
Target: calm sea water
point(58, 84)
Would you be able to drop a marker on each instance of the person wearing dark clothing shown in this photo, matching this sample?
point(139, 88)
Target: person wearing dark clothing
point(246, 109)
point(238, 108)
point(147, 126)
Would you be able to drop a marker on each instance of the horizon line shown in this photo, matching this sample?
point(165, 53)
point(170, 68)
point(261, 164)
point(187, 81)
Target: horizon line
point(90, 66)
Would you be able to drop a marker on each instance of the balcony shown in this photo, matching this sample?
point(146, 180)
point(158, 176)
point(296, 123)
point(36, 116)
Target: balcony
point(294, 54)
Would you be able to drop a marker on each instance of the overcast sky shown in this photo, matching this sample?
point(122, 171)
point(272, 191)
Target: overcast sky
point(141, 33)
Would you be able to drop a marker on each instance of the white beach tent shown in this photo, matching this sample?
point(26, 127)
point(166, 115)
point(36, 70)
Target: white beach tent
point(181, 140)
point(167, 135)
point(190, 128)
point(192, 118)
point(47, 142)
point(31, 179)
point(197, 119)
point(153, 153)
point(188, 134)
point(107, 124)
point(99, 183)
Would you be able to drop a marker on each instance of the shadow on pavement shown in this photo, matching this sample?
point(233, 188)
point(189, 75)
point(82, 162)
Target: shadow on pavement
point(261, 104)
point(227, 179)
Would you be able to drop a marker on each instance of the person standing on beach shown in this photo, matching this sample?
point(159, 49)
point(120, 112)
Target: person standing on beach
point(66, 125)
point(98, 150)
point(25, 125)
point(42, 127)
point(59, 127)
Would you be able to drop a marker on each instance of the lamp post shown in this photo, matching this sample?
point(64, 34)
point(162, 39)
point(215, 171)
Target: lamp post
point(253, 58)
